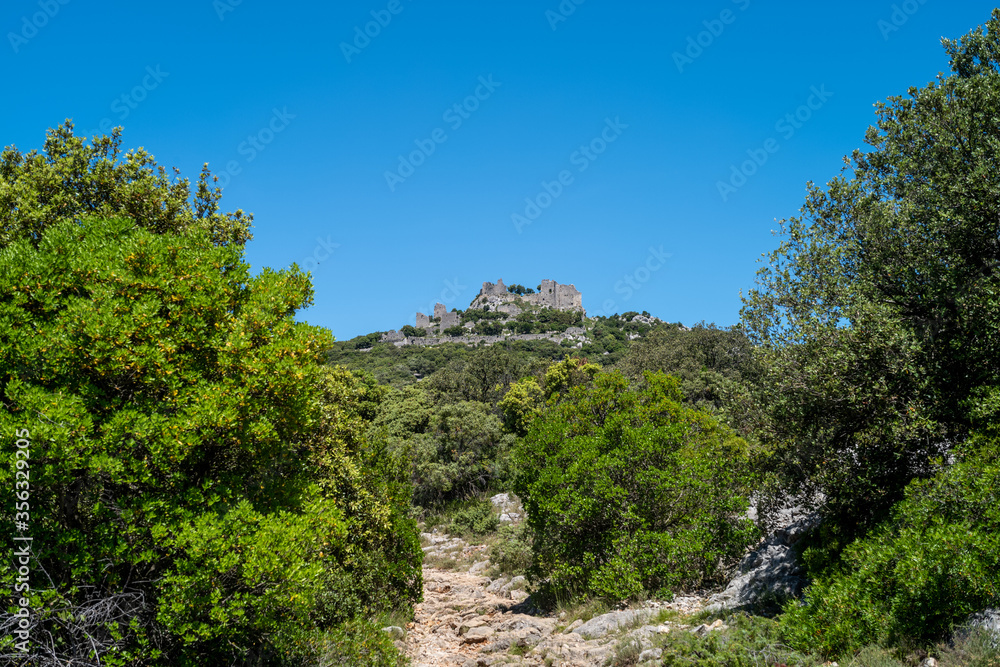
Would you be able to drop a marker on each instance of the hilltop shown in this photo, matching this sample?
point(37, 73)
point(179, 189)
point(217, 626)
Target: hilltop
point(538, 326)
point(551, 312)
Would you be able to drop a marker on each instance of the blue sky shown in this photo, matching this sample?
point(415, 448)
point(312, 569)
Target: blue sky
point(406, 151)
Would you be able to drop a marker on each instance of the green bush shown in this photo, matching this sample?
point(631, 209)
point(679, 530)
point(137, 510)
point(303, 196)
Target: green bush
point(511, 553)
point(628, 492)
point(707, 360)
point(476, 519)
point(359, 643)
point(196, 478)
point(922, 572)
point(455, 450)
point(750, 641)
point(411, 331)
point(487, 328)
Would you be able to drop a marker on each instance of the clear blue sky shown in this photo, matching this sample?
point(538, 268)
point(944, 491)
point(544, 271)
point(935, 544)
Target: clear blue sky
point(309, 114)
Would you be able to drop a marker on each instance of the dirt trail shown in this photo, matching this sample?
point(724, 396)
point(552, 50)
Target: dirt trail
point(470, 620)
point(460, 623)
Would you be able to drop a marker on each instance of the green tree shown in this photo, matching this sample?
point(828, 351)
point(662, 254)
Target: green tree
point(72, 178)
point(707, 360)
point(376, 568)
point(564, 375)
point(172, 403)
point(877, 319)
point(919, 575)
point(455, 449)
point(628, 492)
point(413, 332)
point(528, 397)
point(489, 372)
point(488, 328)
point(521, 404)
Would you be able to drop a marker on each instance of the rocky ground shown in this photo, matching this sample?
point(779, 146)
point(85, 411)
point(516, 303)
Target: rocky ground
point(468, 619)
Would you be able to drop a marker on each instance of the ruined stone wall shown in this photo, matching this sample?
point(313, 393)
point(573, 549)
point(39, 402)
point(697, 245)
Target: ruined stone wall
point(495, 297)
point(392, 337)
point(494, 289)
point(547, 296)
point(569, 298)
point(552, 295)
point(489, 340)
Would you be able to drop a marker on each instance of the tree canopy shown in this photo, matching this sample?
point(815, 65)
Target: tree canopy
point(202, 491)
point(72, 178)
point(876, 318)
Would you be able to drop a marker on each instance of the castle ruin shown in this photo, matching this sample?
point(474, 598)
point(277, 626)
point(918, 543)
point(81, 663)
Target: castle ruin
point(444, 319)
point(494, 296)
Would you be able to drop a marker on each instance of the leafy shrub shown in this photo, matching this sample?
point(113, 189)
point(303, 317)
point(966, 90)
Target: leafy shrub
point(706, 359)
point(629, 492)
point(488, 328)
point(411, 331)
point(750, 641)
point(375, 568)
point(198, 468)
point(511, 553)
point(477, 518)
point(455, 450)
point(927, 568)
point(359, 643)
point(477, 314)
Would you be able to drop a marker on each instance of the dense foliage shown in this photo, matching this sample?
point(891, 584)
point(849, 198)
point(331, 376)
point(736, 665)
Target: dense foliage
point(920, 574)
point(709, 361)
point(877, 319)
point(875, 329)
point(72, 177)
point(200, 488)
point(454, 448)
point(629, 492)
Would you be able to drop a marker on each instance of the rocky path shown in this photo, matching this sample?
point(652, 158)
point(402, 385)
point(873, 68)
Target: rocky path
point(470, 620)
